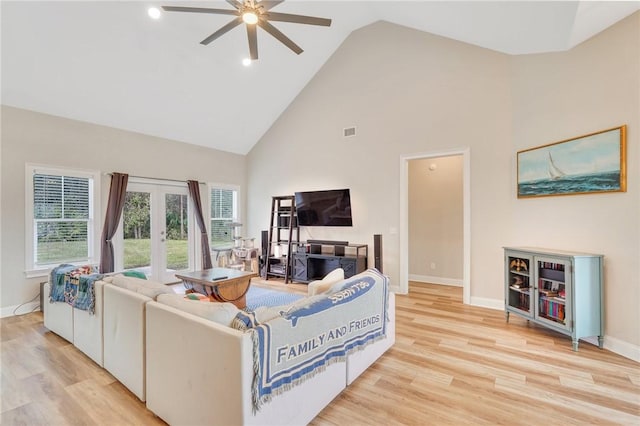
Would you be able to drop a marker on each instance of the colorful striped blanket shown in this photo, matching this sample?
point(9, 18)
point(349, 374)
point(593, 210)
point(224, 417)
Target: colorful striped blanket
point(74, 285)
point(316, 332)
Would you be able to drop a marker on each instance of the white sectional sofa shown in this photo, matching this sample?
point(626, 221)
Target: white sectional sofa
point(114, 335)
point(201, 371)
point(189, 363)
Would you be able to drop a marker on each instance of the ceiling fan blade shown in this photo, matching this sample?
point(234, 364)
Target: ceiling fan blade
point(222, 30)
point(235, 3)
point(252, 34)
point(199, 10)
point(281, 37)
point(297, 19)
point(266, 5)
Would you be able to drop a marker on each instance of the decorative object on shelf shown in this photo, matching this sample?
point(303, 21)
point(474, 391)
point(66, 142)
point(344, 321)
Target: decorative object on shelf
point(560, 290)
point(517, 282)
point(254, 14)
point(518, 264)
point(587, 164)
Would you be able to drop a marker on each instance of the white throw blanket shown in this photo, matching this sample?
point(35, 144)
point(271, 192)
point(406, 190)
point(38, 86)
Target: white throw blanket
point(325, 329)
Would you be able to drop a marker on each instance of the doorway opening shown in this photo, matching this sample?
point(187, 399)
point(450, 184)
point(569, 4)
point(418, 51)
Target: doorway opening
point(462, 248)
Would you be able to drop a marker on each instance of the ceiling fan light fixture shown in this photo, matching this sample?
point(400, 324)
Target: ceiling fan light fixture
point(250, 17)
point(254, 14)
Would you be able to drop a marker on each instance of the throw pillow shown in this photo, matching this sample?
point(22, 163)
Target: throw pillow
point(196, 296)
point(323, 285)
point(266, 313)
point(221, 313)
point(244, 321)
point(135, 274)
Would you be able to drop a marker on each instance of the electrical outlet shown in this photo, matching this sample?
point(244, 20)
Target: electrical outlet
point(433, 265)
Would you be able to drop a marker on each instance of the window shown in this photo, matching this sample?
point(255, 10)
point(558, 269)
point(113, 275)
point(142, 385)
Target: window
point(60, 210)
point(224, 210)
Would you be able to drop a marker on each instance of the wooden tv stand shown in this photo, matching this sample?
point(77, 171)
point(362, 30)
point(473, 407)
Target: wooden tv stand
point(316, 258)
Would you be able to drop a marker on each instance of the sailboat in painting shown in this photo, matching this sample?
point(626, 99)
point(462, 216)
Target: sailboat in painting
point(554, 171)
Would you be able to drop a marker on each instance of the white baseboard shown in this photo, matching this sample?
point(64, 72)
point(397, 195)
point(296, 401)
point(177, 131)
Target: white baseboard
point(435, 280)
point(622, 348)
point(25, 308)
point(484, 302)
point(395, 289)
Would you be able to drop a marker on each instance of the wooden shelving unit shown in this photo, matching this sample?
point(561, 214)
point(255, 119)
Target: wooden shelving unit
point(284, 233)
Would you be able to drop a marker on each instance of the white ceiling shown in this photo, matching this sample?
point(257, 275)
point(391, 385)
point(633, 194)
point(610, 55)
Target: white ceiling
point(109, 63)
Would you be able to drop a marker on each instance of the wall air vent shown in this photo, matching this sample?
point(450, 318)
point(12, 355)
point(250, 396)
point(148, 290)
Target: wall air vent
point(349, 131)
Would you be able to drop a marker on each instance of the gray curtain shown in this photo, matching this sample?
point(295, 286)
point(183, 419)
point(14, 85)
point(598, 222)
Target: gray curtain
point(117, 194)
point(194, 192)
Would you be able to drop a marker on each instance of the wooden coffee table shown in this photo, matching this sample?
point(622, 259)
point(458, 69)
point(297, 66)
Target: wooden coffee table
point(220, 284)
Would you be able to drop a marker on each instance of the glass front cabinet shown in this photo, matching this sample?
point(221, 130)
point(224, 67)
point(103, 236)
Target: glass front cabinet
point(557, 289)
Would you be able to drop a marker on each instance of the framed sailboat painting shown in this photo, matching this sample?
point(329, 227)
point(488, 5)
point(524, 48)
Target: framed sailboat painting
point(587, 164)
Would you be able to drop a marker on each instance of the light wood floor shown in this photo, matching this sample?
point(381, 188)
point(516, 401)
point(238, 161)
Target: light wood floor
point(451, 364)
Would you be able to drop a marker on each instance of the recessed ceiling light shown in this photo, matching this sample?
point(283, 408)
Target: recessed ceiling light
point(246, 62)
point(154, 12)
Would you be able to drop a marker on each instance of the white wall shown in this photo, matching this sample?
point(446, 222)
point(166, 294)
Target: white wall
point(29, 137)
point(435, 220)
point(409, 92)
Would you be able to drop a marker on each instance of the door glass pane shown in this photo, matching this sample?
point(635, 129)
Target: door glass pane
point(176, 228)
point(136, 217)
point(519, 283)
point(552, 291)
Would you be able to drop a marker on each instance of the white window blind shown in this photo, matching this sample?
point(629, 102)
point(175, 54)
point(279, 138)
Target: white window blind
point(61, 218)
point(60, 212)
point(223, 211)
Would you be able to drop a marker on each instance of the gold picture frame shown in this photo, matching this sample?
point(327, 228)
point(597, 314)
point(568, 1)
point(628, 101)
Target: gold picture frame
point(593, 163)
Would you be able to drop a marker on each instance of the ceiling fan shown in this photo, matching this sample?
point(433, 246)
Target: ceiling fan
point(254, 13)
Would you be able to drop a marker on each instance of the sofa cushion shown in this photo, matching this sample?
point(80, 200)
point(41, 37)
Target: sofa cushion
point(325, 284)
point(221, 313)
point(145, 287)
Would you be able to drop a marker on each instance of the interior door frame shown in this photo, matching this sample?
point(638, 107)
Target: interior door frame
point(466, 217)
point(158, 189)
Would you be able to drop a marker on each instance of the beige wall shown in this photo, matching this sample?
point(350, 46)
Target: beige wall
point(593, 87)
point(407, 92)
point(29, 137)
point(410, 93)
point(435, 220)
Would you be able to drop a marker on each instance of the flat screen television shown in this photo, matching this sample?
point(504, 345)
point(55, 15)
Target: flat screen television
point(324, 208)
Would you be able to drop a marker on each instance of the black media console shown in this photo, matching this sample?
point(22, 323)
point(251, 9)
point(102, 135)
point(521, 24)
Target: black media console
point(316, 258)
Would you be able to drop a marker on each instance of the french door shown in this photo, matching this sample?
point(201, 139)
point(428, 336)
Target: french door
point(156, 233)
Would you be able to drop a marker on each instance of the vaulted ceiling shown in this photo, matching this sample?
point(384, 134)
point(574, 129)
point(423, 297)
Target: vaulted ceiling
point(109, 63)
